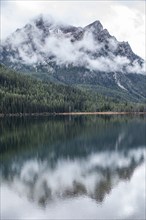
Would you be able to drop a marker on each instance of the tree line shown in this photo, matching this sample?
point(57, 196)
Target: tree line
point(21, 93)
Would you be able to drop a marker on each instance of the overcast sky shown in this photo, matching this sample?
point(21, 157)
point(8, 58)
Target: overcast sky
point(123, 19)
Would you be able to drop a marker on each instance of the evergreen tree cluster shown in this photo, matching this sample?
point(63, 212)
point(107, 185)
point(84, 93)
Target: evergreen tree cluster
point(21, 93)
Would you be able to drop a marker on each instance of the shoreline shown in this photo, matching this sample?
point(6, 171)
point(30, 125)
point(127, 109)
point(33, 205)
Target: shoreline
point(101, 113)
point(69, 113)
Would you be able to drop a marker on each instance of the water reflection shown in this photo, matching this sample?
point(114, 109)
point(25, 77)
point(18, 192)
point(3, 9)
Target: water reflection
point(52, 167)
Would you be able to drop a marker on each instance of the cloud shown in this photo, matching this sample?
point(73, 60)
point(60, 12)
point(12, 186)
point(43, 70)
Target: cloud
point(32, 48)
point(125, 20)
point(136, 68)
point(128, 24)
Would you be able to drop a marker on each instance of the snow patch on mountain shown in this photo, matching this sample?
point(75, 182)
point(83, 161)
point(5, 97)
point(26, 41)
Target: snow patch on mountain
point(117, 81)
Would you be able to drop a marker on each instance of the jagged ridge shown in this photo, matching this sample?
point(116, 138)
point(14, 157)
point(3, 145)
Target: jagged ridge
point(74, 55)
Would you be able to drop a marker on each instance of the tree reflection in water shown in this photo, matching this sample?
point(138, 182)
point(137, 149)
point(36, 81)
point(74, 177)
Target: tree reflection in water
point(57, 159)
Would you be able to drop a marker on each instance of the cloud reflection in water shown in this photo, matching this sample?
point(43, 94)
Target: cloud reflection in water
point(106, 185)
point(73, 168)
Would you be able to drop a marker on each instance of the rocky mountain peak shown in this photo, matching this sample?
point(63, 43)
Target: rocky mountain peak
point(44, 40)
point(43, 21)
point(96, 25)
point(40, 23)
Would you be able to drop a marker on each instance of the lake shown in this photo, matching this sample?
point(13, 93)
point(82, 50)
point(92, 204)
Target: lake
point(73, 167)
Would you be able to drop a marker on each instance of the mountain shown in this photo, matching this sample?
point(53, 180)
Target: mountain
point(85, 57)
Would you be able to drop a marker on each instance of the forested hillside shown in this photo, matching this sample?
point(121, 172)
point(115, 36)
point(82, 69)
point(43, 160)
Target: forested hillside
point(24, 94)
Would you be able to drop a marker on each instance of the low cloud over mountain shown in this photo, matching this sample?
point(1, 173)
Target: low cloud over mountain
point(78, 56)
point(45, 41)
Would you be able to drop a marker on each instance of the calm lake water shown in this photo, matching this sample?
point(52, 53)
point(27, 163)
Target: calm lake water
point(73, 167)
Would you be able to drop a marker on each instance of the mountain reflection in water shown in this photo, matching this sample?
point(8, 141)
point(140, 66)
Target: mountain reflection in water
point(75, 167)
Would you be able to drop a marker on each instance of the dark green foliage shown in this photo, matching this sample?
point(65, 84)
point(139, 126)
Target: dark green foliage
point(24, 94)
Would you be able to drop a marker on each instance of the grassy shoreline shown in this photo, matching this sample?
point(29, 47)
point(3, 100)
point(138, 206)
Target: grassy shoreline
point(70, 113)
